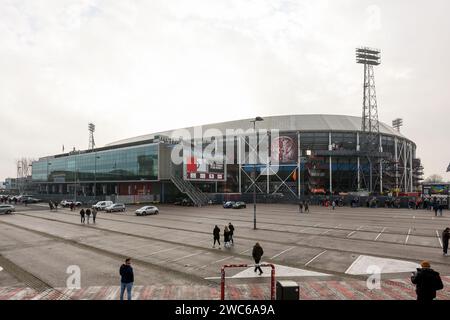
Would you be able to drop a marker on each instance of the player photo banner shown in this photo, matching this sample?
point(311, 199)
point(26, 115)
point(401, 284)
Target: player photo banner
point(284, 149)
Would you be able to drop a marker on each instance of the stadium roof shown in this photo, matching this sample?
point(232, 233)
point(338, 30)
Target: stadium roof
point(307, 122)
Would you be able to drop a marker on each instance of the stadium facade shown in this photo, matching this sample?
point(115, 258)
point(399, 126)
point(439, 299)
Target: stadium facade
point(295, 155)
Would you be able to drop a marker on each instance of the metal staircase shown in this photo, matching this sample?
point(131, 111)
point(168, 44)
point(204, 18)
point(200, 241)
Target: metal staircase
point(198, 197)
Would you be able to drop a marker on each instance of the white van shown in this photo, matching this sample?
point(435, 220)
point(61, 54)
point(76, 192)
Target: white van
point(101, 205)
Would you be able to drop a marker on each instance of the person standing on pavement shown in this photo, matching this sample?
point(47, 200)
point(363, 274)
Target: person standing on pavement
point(427, 282)
point(94, 214)
point(257, 255)
point(445, 238)
point(216, 235)
point(333, 204)
point(231, 228)
point(126, 278)
point(226, 237)
point(88, 214)
point(82, 215)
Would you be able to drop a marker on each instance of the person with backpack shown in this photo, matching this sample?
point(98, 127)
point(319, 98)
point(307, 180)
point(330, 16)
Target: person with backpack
point(257, 254)
point(231, 228)
point(427, 282)
point(82, 215)
point(216, 235)
point(445, 238)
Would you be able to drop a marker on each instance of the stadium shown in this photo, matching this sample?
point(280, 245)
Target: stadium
point(288, 156)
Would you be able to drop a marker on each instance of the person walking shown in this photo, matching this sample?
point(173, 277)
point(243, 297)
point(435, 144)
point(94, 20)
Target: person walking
point(333, 204)
point(427, 282)
point(126, 278)
point(216, 235)
point(445, 238)
point(300, 207)
point(257, 254)
point(88, 214)
point(72, 206)
point(441, 206)
point(82, 213)
point(231, 228)
point(226, 237)
point(306, 206)
point(56, 205)
point(435, 208)
point(94, 214)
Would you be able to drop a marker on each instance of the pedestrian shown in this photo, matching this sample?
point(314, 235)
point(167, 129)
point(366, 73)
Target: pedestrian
point(226, 237)
point(445, 238)
point(216, 234)
point(333, 204)
point(50, 203)
point(88, 214)
point(127, 278)
point(231, 228)
point(257, 255)
point(56, 206)
point(72, 206)
point(82, 215)
point(306, 207)
point(441, 206)
point(94, 214)
point(300, 207)
point(435, 208)
point(427, 282)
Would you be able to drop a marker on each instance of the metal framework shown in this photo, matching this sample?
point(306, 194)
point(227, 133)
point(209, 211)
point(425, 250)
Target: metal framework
point(370, 125)
point(222, 277)
point(91, 128)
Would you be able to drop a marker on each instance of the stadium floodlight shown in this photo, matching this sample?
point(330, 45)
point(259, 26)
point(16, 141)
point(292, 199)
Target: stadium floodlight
point(366, 55)
point(397, 123)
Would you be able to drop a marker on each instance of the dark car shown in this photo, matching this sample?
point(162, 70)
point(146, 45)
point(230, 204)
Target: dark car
point(30, 200)
point(239, 205)
point(228, 204)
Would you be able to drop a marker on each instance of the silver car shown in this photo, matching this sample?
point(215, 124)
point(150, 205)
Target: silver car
point(115, 207)
point(7, 208)
point(147, 210)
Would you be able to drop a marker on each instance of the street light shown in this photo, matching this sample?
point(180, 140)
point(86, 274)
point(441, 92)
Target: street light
point(48, 180)
point(254, 171)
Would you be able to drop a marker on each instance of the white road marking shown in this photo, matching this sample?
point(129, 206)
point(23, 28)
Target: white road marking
point(407, 237)
point(380, 234)
point(187, 256)
point(359, 228)
point(316, 225)
point(326, 231)
point(1, 269)
point(204, 266)
point(159, 251)
point(350, 234)
point(338, 226)
point(315, 257)
point(284, 251)
point(304, 229)
point(439, 238)
point(245, 251)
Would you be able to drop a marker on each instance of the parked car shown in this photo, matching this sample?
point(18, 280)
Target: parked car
point(147, 210)
point(115, 207)
point(228, 204)
point(239, 205)
point(30, 200)
point(7, 208)
point(67, 203)
point(101, 205)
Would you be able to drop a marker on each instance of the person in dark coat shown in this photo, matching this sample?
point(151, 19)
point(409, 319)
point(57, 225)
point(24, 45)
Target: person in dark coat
point(216, 234)
point(306, 205)
point(88, 214)
point(82, 215)
point(94, 214)
point(257, 255)
point(226, 237)
point(231, 228)
point(445, 238)
point(126, 278)
point(72, 206)
point(427, 282)
point(300, 207)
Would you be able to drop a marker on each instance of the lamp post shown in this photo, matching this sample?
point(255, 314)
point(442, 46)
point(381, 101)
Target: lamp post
point(254, 171)
point(48, 180)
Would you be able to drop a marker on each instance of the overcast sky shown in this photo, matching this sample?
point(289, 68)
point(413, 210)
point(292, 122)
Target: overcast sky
point(137, 67)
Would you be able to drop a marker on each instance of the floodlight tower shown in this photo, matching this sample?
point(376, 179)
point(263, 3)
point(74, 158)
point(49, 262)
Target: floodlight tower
point(397, 123)
point(91, 128)
point(370, 126)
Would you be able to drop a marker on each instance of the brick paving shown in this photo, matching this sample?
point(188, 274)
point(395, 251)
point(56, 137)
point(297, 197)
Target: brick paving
point(397, 289)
